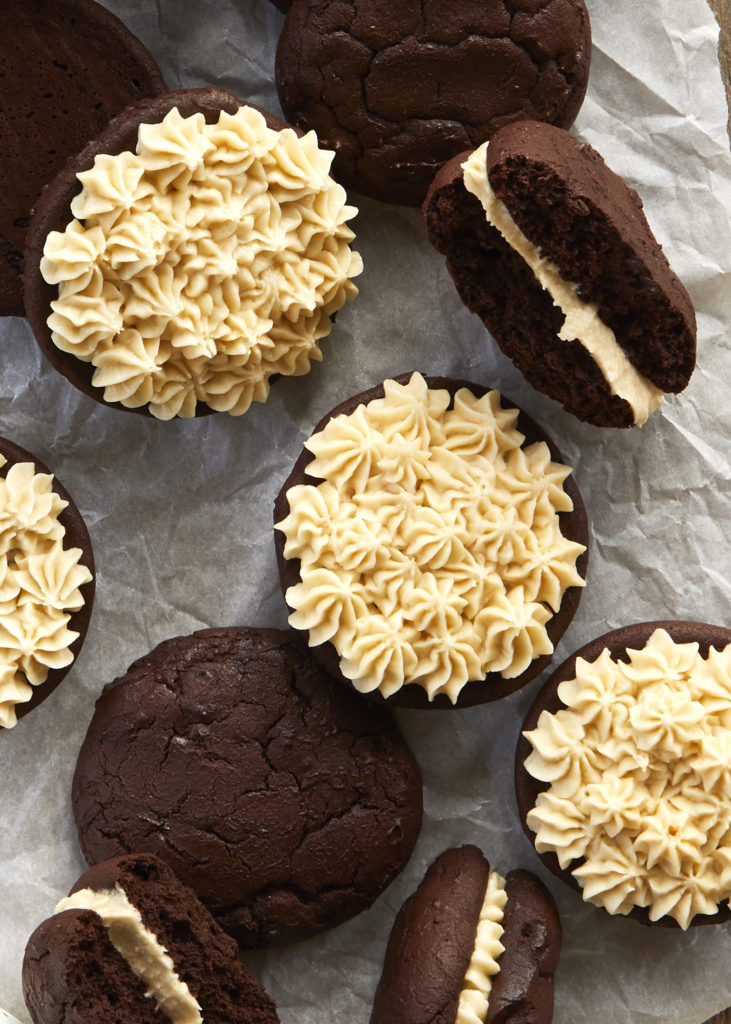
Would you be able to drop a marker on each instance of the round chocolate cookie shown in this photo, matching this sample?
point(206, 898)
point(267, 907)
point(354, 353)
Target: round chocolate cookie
point(67, 66)
point(396, 89)
point(436, 932)
point(170, 320)
point(631, 828)
point(571, 522)
point(101, 957)
point(42, 580)
point(553, 252)
point(286, 802)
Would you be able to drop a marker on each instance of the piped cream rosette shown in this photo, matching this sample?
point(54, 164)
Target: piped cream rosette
point(431, 552)
point(639, 770)
point(39, 586)
point(202, 264)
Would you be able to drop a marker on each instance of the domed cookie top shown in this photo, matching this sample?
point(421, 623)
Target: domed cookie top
point(46, 582)
point(208, 252)
point(396, 89)
point(67, 66)
point(285, 801)
point(622, 772)
point(552, 250)
point(133, 945)
point(432, 555)
point(471, 946)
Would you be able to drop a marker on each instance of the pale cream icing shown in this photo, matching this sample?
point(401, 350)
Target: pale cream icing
point(39, 585)
point(202, 264)
point(430, 553)
point(147, 958)
point(475, 993)
point(639, 766)
point(582, 321)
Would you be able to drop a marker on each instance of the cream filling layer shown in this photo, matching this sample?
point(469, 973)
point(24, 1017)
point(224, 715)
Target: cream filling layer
point(140, 948)
point(582, 322)
point(475, 994)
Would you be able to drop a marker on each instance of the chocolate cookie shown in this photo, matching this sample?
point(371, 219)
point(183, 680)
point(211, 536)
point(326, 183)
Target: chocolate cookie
point(131, 944)
point(48, 583)
point(414, 537)
point(286, 802)
point(67, 66)
point(659, 695)
point(471, 941)
point(165, 285)
point(552, 250)
point(396, 89)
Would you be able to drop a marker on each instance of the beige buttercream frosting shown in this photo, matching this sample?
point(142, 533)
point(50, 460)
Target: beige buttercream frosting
point(639, 766)
point(147, 958)
point(431, 551)
point(39, 585)
point(475, 993)
point(202, 264)
point(582, 322)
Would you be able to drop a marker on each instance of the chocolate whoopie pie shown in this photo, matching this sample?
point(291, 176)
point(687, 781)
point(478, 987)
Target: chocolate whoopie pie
point(430, 544)
point(67, 66)
point(622, 775)
point(285, 801)
point(469, 945)
point(396, 89)
point(131, 944)
point(553, 251)
point(47, 586)
point(193, 250)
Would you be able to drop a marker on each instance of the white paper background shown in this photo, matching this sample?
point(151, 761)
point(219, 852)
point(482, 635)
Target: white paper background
point(179, 513)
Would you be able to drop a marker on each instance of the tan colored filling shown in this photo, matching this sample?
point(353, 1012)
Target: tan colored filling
point(639, 766)
point(202, 264)
point(475, 994)
point(431, 552)
point(140, 948)
point(582, 322)
point(39, 586)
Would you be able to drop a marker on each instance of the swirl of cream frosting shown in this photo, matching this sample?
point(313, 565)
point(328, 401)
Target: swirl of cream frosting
point(472, 583)
point(639, 766)
point(225, 247)
point(39, 586)
point(485, 960)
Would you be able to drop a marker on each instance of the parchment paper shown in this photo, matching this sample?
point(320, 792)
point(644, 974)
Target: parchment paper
point(180, 513)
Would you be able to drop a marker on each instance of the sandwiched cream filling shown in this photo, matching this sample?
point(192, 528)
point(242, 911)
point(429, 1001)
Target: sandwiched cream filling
point(473, 999)
point(582, 322)
point(140, 948)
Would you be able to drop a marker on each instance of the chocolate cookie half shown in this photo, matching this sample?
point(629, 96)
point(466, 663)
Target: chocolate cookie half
point(470, 946)
point(430, 543)
point(193, 250)
point(286, 802)
point(622, 773)
point(131, 944)
point(396, 89)
point(67, 66)
point(47, 583)
point(552, 250)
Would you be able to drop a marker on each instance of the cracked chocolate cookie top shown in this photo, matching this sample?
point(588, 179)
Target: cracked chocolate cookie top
point(67, 66)
point(287, 802)
point(398, 89)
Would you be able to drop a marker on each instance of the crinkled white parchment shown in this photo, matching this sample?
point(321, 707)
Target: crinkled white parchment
point(180, 513)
